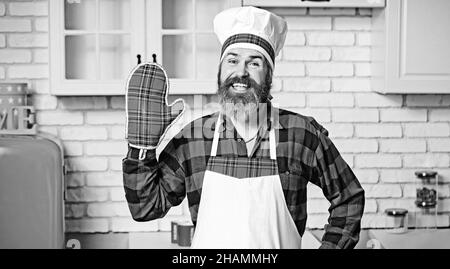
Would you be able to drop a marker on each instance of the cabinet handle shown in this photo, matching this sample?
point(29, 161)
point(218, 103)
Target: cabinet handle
point(154, 58)
point(139, 59)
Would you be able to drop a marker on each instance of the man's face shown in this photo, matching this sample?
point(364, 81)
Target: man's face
point(244, 79)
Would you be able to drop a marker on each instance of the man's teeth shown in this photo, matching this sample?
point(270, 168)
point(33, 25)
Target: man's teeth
point(240, 85)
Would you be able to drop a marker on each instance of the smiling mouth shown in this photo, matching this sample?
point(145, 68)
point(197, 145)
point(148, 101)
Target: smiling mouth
point(239, 87)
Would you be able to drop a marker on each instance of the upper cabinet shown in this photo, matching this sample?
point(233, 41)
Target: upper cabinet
point(411, 42)
point(94, 43)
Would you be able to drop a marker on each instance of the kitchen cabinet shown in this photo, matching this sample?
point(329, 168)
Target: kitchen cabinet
point(411, 42)
point(94, 43)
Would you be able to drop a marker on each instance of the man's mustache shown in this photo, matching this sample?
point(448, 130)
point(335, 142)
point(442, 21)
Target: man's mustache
point(249, 82)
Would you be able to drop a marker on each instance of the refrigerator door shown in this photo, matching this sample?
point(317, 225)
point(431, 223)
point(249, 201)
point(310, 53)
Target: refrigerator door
point(31, 193)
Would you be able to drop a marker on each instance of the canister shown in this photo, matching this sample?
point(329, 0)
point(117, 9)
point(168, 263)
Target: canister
point(396, 220)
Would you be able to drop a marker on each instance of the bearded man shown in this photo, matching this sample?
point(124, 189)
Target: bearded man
point(244, 169)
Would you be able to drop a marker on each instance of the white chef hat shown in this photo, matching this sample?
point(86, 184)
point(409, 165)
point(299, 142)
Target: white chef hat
point(252, 28)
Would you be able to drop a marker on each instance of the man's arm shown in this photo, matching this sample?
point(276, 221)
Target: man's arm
point(152, 187)
point(341, 187)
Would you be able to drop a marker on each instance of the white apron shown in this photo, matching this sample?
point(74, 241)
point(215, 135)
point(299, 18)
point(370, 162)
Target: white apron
point(242, 204)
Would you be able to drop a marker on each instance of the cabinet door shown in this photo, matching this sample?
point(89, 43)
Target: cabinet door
point(417, 54)
point(180, 33)
point(94, 44)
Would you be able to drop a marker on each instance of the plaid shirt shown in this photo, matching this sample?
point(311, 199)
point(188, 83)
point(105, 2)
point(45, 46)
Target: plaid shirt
point(304, 154)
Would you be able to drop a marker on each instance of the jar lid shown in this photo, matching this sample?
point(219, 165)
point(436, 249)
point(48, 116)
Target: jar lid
point(396, 212)
point(13, 89)
point(425, 174)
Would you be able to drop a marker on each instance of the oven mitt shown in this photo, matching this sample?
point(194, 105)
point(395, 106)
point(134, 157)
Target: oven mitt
point(148, 114)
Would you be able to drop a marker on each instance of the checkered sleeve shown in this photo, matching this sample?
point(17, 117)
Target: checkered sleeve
point(343, 190)
point(152, 187)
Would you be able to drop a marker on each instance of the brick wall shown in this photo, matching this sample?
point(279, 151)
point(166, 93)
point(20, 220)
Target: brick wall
point(323, 71)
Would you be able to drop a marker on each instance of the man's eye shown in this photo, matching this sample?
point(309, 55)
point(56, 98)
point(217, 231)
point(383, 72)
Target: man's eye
point(232, 61)
point(255, 64)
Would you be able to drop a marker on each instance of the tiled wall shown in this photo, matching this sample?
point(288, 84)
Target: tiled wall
point(323, 71)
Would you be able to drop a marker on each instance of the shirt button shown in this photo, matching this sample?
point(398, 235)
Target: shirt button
point(287, 173)
point(239, 140)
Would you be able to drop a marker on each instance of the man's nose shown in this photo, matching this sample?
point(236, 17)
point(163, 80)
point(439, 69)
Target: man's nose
point(241, 70)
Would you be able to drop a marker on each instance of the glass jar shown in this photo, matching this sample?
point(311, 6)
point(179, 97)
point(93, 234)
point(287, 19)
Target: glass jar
point(396, 220)
point(426, 199)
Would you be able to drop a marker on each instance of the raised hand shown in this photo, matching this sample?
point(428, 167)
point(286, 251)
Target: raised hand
point(148, 113)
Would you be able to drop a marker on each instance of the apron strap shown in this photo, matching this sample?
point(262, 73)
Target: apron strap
point(272, 140)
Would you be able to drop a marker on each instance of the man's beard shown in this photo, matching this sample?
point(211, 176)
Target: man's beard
point(242, 105)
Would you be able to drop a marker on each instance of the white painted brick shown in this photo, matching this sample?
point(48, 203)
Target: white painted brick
point(108, 210)
point(423, 100)
point(115, 163)
point(165, 223)
point(351, 85)
point(74, 179)
point(117, 132)
point(329, 69)
point(370, 206)
point(355, 54)
point(83, 103)
point(308, 23)
point(175, 211)
point(295, 38)
point(378, 161)
point(28, 40)
point(129, 225)
point(364, 39)
point(288, 69)
point(378, 130)
point(306, 54)
point(355, 115)
point(277, 86)
point(105, 148)
point(444, 175)
point(97, 225)
point(75, 210)
point(426, 160)
point(338, 130)
point(289, 99)
point(40, 56)
point(313, 191)
point(370, 221)
point(28, 8)
point(403, 115)
point(363, 70)
point(398, 175)
point(410, 190)
point(349, 159)
point(15, 25)
point(87, 195)
point(439, 145)
point(331, 100)
point(48, 129)
point(117, 194)
point(427, 130)
point(364, 11)
point(349, 23)
point(377, 100)
point(117, 102)
point(41, 24)
point(15, 56)
point(321, 115)
point(317, 206)
point(59, 118)
point(306, 85)
point(439, 115)
point(403, 145)
point(444, 206)
point(105, 117)
point(2, 41)
point(364, 176)
point(317, 221)
point(446, 100)
point(330, 39)
point(73, 149)
point(41, 86)
point(83, 133)
point(44, 102)
point(2, 72)
point(86, 164)
point(28, 71)
point(356, 145)
point(106, 179)
point(382, 191)
point(403, 202)
point(429, 221)
point(331, 11)
point(2, 9)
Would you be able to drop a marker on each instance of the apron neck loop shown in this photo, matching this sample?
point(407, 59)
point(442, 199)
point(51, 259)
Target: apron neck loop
point(272, 139)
